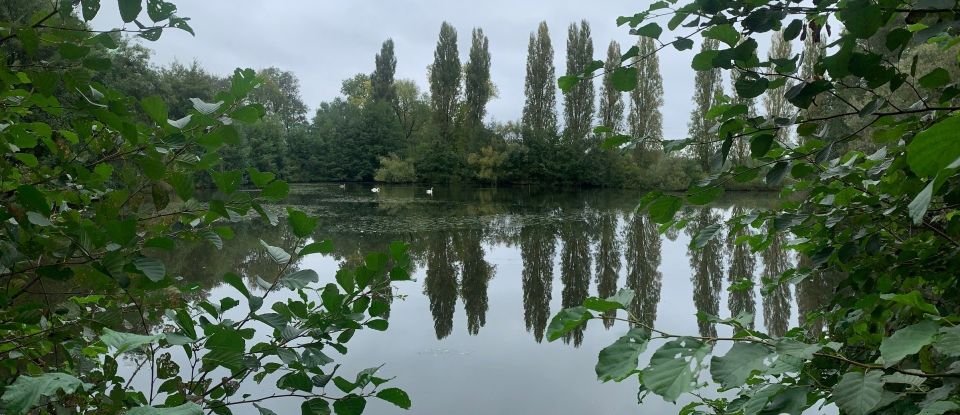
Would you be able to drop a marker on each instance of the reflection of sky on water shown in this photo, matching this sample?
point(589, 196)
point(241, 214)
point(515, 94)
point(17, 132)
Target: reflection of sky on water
point(502, 368)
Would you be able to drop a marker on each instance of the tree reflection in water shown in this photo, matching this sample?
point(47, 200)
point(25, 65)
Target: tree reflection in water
point(537, 246)
point(742, 267)
point(706, 264)
point(607, 259)
point(642, 256)
point(574, 269)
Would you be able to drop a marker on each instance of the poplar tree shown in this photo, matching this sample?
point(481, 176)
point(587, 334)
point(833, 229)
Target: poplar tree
point(445, 80)
point(775, 102)
point(381, 80)
point(646, 121)
point(579, 101)
point(611, 99)
point(740, 152)
point(707, 88)
point(539, 110)
point(478, 88)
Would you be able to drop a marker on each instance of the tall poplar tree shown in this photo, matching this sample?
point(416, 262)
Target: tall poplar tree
point(646, 121)
point(539, 110)
point(381, 80)
point(611, 99)
point(478, 89)
point(707, 87)
point(578, 105)
point(774, 102)
point(445, 80)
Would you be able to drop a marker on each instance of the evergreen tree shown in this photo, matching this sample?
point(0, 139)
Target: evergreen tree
point(539, 110)
point(707, 87)
point(445, 80)
point(611, 99)
point(478, 89)
point(578, 105)
point(774, 102)
point(646, 121)
point(381, 80)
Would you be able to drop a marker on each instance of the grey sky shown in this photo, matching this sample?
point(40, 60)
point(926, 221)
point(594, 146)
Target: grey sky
point(324, 42)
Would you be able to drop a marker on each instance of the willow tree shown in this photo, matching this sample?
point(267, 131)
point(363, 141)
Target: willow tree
point(610, 113)
point(578, 102)
point(539, 122)
point(646, 121)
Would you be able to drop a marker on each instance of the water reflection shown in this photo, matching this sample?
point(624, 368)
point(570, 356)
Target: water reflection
point(537, 246)
point(440, 284)
point(643, 262)
point(574, 268)
point(476, 273)
point(776, 302)
point(607, 258)
point(706, 264)
point(742, 264)
point(596, 244)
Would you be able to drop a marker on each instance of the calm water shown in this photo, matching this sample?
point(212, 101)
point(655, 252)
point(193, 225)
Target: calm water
point(493, 266)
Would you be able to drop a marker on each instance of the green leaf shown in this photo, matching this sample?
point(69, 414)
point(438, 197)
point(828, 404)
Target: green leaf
point(948, 341)
point(724, 33)
point(619, 360)
point(939, 408)
point(566, 321)
point(225, 348)
point(395, 396)
point(130, 9)
point(664, 208)
point(750, 85)
point(378, 324)
point(32, 200)
point(277, 254)
point(295, 381)
point(652, 30)
point(705, 235)
point(760, 145)
point(674, 367)
point(624, 79)
point(620, 301)
point(321, 247)
point(26, 391)
point(935, 148)
point(703, 61)
point(316, 406)
point(300, 279)
point(567, 82)
point(248, 114)
point(276, 190)
point(861, 18)
point(260, 179)
point(125, 342)
point(907, 341)
point(935, 78)
point(776, 174)
point(704, 195)
point(792, 30)
point(152, 268)
point(858, 393)
point(682, 43)
point(264, 411)
point(790, 347)
point(734, 368)
point(912, 299)
point(38, 219)
point(349, 405)
point(188, 408)
point(301, 224)
point(89, 8)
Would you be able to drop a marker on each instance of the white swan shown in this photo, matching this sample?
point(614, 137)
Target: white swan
point(375, 190)
point(343, 186)
point(430, 191)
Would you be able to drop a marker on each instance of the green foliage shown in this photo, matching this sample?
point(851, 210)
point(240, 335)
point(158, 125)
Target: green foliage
point(870, 201)
point(102, 182)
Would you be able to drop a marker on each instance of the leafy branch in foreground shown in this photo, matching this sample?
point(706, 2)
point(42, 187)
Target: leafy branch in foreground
point(98, 187)
point(870, 196)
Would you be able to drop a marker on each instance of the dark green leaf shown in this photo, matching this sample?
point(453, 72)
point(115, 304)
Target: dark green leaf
point(152, 268)
point(26, 392)
point(734, 368)
point(935, 148)
point(566, 321)
point(935, 78)
point(664, 208)
point(349, 405)
point(395, 396)
point(624, 79)
point(858, 393)
point(724, 33)
point(301, 224)
point(619, 360)
point(674, 367)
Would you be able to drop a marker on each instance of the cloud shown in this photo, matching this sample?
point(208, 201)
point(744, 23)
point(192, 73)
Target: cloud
point(324, 42)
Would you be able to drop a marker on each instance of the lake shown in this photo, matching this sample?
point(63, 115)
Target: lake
point(491, 268)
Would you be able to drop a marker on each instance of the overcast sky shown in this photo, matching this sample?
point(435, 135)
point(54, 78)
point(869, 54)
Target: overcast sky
point(324, 42)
